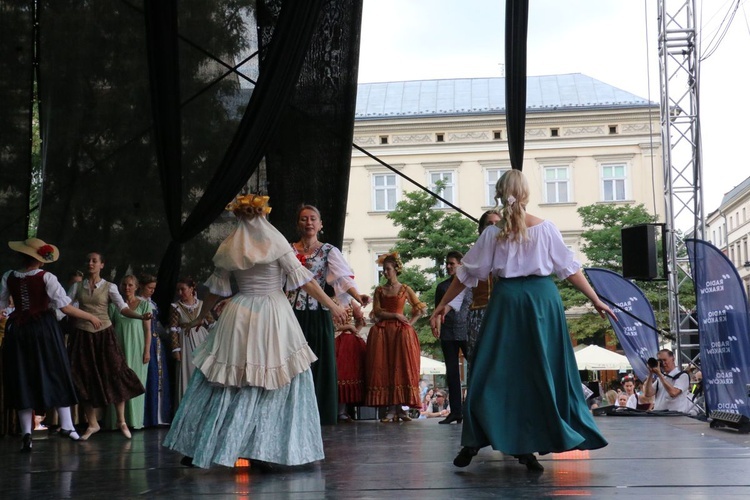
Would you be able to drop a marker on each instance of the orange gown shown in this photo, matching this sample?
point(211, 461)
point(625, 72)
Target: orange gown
point(392, 359)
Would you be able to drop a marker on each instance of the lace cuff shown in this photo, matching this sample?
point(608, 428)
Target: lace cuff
point(569, 270)
point(465, 278)
point(297, 277)
point(218, 283)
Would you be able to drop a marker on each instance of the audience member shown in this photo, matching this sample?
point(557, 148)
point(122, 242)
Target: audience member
point(668, 384)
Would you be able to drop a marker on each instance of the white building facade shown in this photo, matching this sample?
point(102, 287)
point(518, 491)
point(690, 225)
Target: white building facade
point(728, 228)
point(586, 142)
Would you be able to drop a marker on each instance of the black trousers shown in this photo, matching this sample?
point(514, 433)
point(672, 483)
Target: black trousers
point(450, 352)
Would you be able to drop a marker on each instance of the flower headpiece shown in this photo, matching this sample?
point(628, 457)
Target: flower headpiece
point(511, 200)
point(391, 256)
point(249, 205)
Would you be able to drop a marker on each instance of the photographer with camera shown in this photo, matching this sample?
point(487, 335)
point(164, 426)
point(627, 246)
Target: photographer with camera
point(667, 383)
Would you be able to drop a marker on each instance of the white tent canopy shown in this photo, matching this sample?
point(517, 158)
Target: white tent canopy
point(429, 366)
point(596, 358)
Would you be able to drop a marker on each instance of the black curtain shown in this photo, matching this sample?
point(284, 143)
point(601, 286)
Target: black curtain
point(16, 77)
point(310, 156)
point(103, 189)
point(516, 30)
point(284, 56)
point(100, 185)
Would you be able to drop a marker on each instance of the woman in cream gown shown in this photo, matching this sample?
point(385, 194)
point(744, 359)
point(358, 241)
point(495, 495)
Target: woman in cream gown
point(252, 393)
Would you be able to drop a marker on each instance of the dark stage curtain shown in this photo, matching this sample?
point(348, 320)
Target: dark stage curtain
point(310, 157)
point(283, 59)
point(103, 189)
point(516, 30)
point(16, 76)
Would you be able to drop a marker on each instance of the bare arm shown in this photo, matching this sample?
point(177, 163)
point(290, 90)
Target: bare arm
point(441, 310)
point(146, 341)
point(314, 290)
point(74, 312)
point(580, 282)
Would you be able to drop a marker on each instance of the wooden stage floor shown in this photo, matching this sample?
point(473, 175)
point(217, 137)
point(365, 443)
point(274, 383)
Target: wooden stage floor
point(663, 457)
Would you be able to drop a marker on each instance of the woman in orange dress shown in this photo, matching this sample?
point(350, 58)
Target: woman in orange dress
point(392, 361)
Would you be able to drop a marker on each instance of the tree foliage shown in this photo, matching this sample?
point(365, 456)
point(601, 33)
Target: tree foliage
point(428, 233)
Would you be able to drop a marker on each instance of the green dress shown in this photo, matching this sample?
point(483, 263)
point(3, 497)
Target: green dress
point(130, 336)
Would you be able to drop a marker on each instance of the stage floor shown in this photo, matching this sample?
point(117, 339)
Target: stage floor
point(664, 457)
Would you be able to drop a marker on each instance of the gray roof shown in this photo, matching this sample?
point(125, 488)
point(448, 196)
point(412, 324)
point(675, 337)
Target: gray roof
point(737, 190)
point(473, 96)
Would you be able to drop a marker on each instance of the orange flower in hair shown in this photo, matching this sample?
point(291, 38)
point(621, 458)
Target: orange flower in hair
point(399, 266)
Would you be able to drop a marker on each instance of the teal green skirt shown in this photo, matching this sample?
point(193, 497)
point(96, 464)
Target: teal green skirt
point(524, 393)
point(317, 326)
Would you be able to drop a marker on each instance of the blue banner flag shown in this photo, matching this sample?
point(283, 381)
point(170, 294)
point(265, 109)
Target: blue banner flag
point(635, 325)
point(722, 327)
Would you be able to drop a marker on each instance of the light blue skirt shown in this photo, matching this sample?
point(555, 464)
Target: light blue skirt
point(218, 424)
point(524, 393)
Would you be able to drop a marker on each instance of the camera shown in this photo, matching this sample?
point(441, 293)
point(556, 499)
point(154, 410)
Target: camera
point(652, 363)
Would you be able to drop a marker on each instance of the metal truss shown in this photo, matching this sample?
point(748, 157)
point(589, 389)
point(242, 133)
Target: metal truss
point(682, 164)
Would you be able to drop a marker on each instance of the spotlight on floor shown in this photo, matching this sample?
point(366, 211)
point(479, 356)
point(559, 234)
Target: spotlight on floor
point(735, 421)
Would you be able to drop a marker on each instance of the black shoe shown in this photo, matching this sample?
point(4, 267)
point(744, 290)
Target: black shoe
point(265, 467)
point(186, 461)
point(69, 433)
point(26, 443)
point(464, 456)
point(452, 418)
point(530, 461)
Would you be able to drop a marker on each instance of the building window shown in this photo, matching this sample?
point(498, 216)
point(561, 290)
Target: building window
point(612, 129)
point(731, 253)
point(554, 132)
point(744, 215)
point(384, 192)
point(439, 137)
point(556, 184)
point(491, 176)
point(497, 135)
point(731, 223)
point(613, 182)
point(383, 139)
point(447, 187)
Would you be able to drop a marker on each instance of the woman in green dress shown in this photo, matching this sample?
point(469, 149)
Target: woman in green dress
point(134, 337)
point(524, 393)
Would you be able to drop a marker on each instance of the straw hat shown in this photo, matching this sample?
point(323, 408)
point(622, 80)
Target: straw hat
point(34, 247)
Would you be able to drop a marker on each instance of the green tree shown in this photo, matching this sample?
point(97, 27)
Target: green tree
point(428, 233)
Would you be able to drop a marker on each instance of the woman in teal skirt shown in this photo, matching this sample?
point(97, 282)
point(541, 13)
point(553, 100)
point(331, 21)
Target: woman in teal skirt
point(523, 338)
point(328, 267)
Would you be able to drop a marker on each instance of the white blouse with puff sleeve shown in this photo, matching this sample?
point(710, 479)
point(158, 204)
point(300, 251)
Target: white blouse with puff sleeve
point(541, 254)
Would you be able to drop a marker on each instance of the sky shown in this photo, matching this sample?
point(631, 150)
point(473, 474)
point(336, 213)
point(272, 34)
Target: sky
point(614, 41)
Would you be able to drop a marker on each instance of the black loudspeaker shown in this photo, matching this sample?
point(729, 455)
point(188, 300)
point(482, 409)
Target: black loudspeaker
point(639, 254)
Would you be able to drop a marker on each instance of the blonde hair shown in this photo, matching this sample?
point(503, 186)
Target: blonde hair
point(512, 193)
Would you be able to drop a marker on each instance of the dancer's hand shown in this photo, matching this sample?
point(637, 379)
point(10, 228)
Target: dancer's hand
point(95, 322)
point(436, 320)
point(364, 299)
point(339, 314)
point(604, 310)
point(146, 357)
